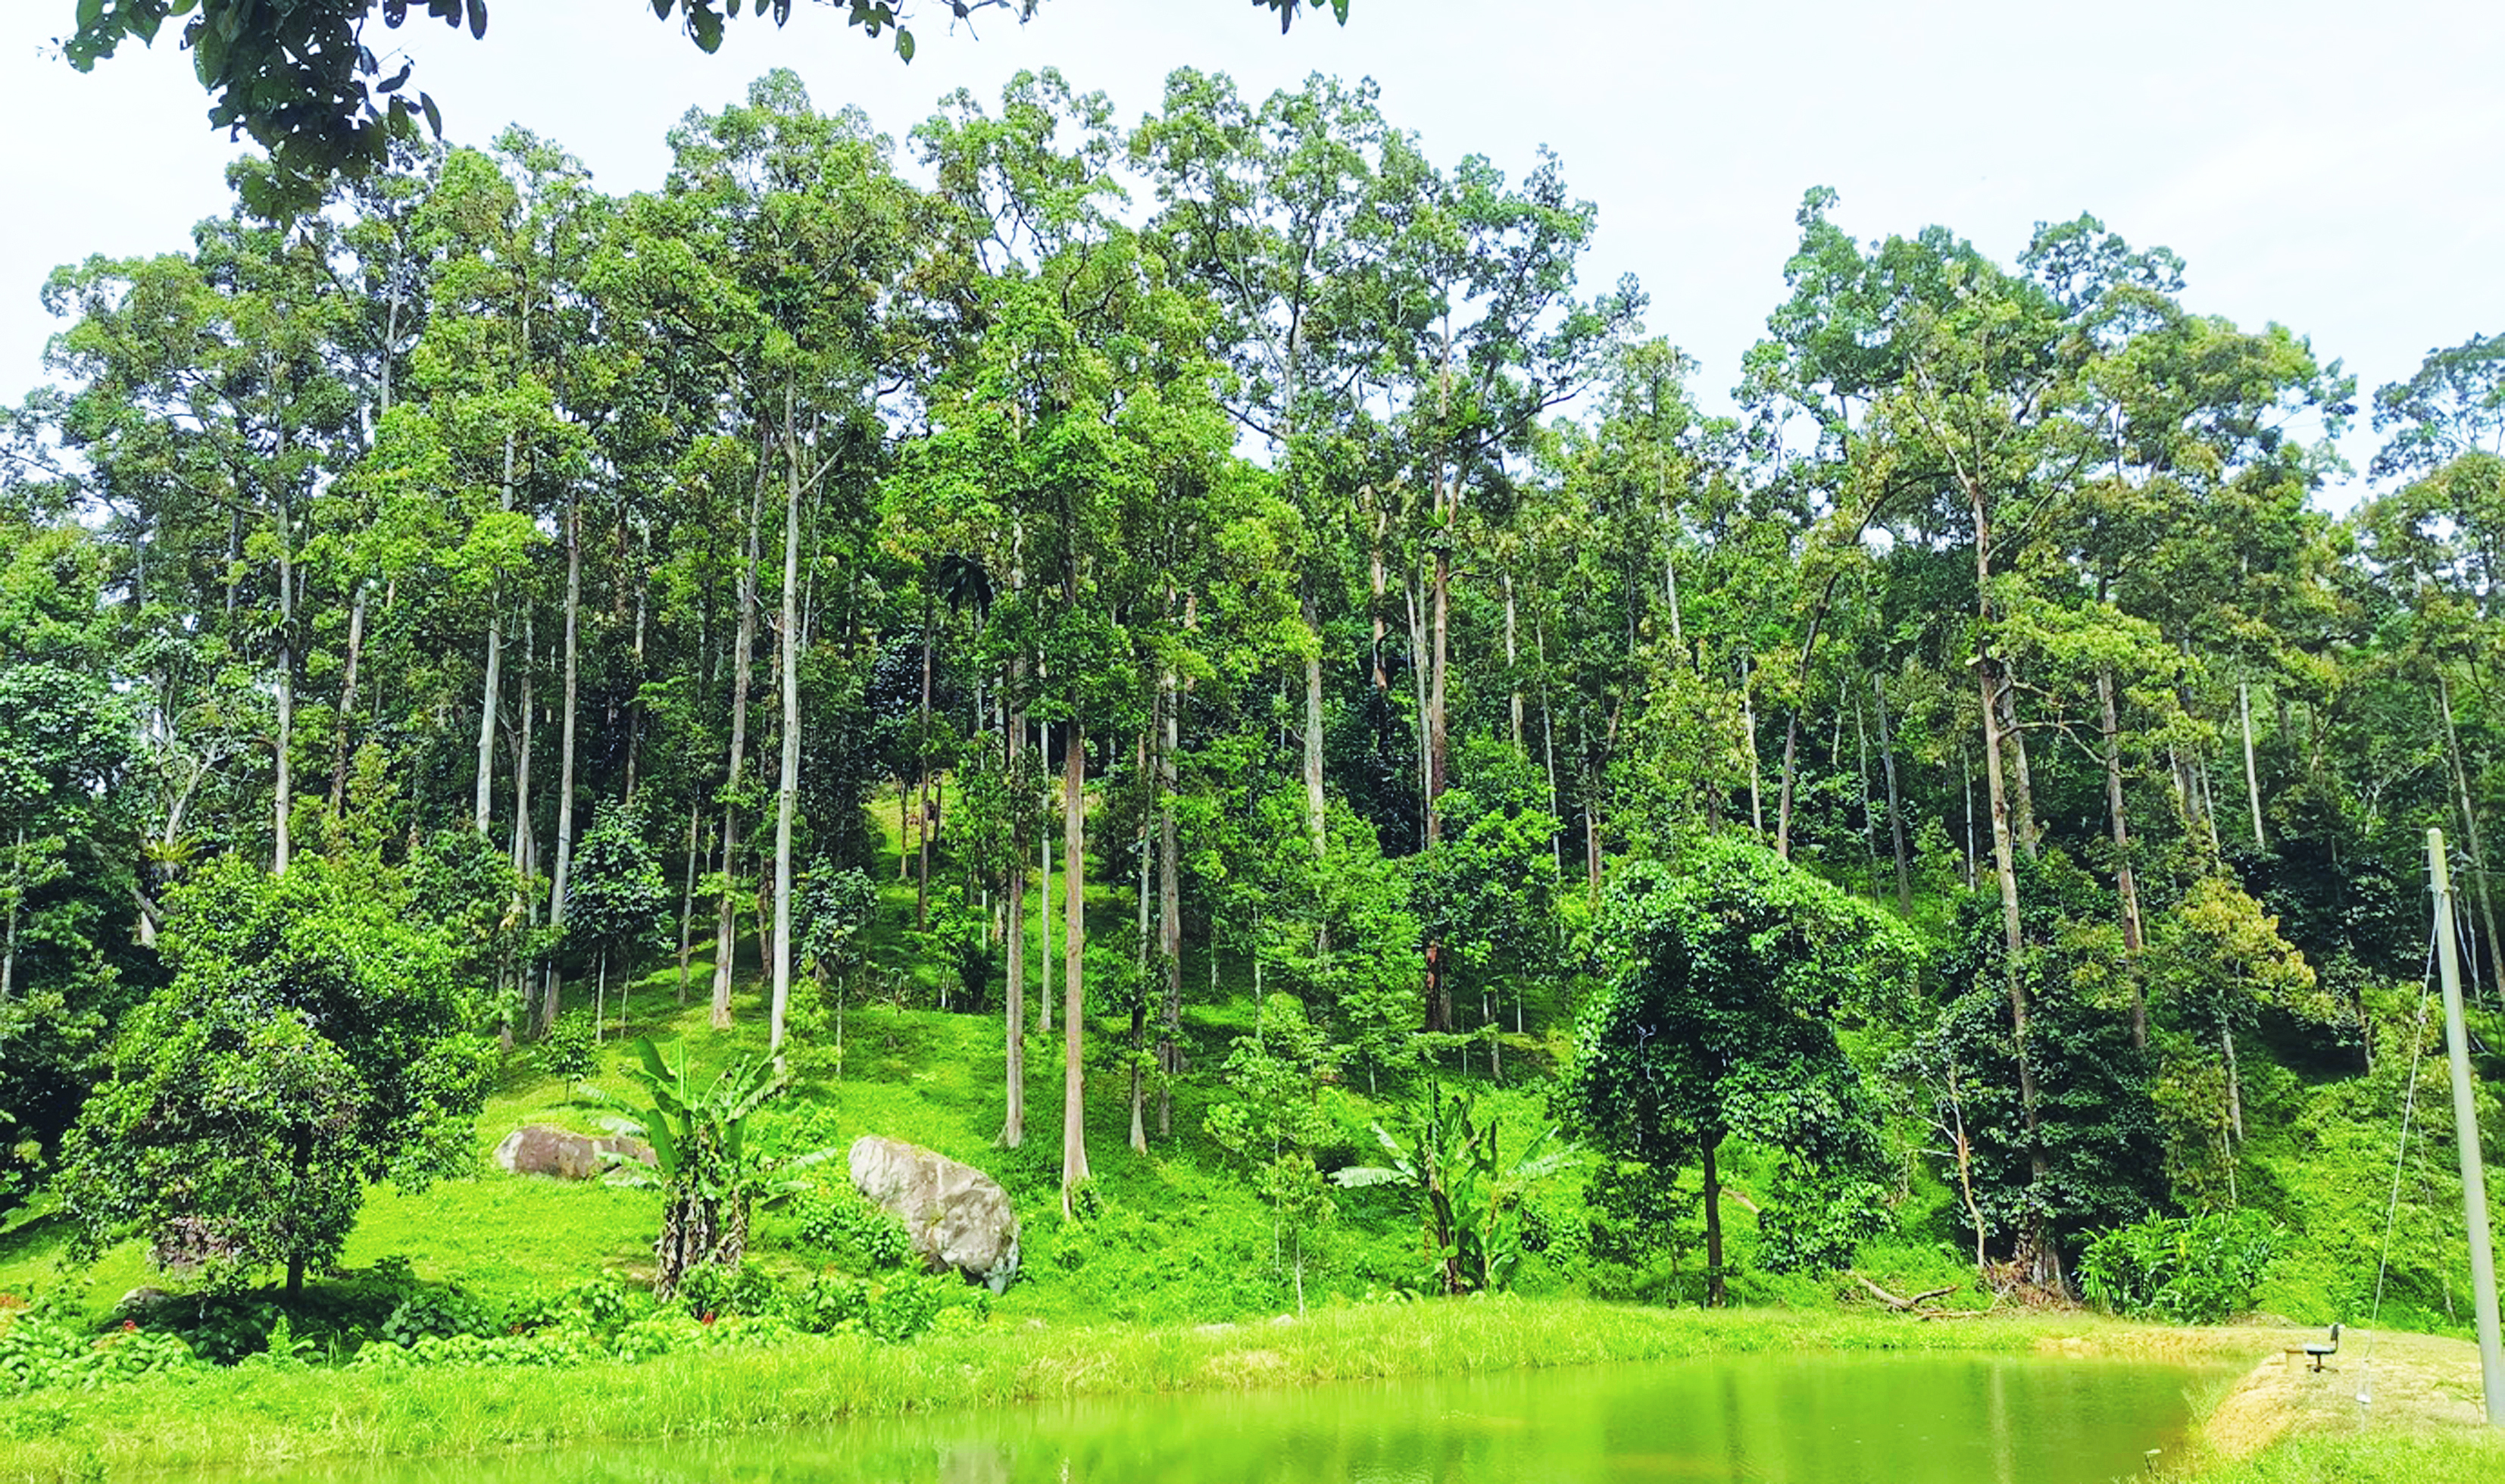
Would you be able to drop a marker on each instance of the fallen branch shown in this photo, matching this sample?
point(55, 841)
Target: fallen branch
point(1902, 1305)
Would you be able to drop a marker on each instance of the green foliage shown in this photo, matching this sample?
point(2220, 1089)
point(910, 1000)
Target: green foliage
point(312, 1040)
point(708, 1176)
point(2191, 1270)
point(571, 1048)
point(1720, 1021)
point(41, 1351)
point(850, 1230)
point(1471, 1195)
point(1273, 1120)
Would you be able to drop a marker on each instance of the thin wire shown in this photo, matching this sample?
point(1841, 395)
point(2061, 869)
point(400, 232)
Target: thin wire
point(2400, 1163)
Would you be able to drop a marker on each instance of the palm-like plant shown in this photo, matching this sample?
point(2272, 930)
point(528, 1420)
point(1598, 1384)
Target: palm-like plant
point(701, 1162)
point(1471, 1195)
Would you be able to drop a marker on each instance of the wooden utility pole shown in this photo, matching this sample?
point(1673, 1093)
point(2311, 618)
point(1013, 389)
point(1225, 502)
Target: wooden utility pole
point(2465, 1129)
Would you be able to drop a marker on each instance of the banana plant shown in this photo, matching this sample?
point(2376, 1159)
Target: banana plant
point(701, 1161)
point(1469, 1194)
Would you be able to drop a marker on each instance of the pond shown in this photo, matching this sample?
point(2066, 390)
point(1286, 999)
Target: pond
point(1819, 1419)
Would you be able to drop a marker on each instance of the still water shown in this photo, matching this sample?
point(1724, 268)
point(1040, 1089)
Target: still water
point(1859, 1419)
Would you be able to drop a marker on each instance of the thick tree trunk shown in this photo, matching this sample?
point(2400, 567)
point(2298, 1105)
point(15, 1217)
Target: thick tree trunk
point(2126, 885)
point(1073, 896)
point(787, 794)
point(1895, 808)
point(565, 736)
point(725, 944)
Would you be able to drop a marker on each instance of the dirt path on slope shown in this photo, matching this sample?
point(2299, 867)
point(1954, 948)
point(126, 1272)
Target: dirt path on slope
point(2378, 1381)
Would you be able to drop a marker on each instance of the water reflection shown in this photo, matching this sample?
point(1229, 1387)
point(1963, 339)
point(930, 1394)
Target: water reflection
point(1760, 1419)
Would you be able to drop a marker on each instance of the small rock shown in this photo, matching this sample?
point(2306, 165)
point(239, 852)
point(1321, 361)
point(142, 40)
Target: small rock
point(543, 1149)
point(957, 1216)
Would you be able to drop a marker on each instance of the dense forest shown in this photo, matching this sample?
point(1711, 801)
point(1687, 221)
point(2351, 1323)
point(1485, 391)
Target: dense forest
point(1974, 778)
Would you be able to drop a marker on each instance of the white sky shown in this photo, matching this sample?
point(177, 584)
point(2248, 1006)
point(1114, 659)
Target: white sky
point(2330, 170)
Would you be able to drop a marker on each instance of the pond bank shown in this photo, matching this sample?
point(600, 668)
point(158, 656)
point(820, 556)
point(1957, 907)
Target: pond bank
point(262, 1415)
point(2422, 1420)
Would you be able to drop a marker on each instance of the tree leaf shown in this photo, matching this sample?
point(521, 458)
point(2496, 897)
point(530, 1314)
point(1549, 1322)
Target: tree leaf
point(478, 20)
point(434, 116)
point(903, 44)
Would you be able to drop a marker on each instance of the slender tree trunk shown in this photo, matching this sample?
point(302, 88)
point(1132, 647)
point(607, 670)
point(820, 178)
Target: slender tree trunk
point(787, 796)
point(285, 791)
point(2252, 775)
point(688, 896)
point(1013, 1003)
point(1317, 815)
point(1051, 988)
point(1074, 898)
point(1748, 720)
point(490, 701)
point(1169, 914)
point(565, 735)
point(1548, 745)
point(1895, 808)
point(1438, 739)
point(2235, 1087)
point(1141, 761)
point(1418, 679)
point(2021, 777)
point(16, 895)
point(2035, 1241)
point(1706, 1143)
point(2126, 885)
point(1513, 672)
point(347, 700)
point(635, 696)
point(921, 787)
point(725, 944)
point(525, 855)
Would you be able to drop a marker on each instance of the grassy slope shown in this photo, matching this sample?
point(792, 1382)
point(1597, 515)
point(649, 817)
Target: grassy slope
point(1180, 1240)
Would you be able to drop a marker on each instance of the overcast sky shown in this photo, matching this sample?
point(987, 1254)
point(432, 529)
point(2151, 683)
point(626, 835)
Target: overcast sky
point(2330, 167)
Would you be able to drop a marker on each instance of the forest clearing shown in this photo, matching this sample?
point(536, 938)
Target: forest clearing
point(976, 774)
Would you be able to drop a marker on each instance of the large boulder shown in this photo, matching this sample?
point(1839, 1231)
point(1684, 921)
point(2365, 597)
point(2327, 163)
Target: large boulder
point(543, 1149)
point(957, 1217)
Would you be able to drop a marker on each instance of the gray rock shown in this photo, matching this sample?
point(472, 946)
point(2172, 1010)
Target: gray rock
point(957, 1217)
point(543, 1149)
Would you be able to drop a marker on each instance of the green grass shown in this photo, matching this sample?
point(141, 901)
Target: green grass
point(2455, 1456)
point(261, 1415)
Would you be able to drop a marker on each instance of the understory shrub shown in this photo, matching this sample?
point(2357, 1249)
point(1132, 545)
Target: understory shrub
point(2193, 1270)
point(40, 1350)
point(866, 1238)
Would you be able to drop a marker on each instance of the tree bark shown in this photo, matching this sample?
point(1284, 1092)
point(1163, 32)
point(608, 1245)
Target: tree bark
point(1051, 987)
point(347, 700)
point(1073, 896)
point(2252, 775)
point(1013, 1002)
point(1317, 814)
point(565, 735)
point(524, 849)
point(2022, 776)
point(786, 796)
point(1748, 720)
point(1170, 914)
point(688, 896)
point(284, 793)
point(1706, 1145)
point(2126, 885)
point(1895, 808)
point(490, 701)
point(725, 946)
point(921, 787)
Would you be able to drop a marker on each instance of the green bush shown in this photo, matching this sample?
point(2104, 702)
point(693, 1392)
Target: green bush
point(40, 1350)
point(571, 1050)
point(854, 1232)
point(2193, 1270)
point(439, 1313)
